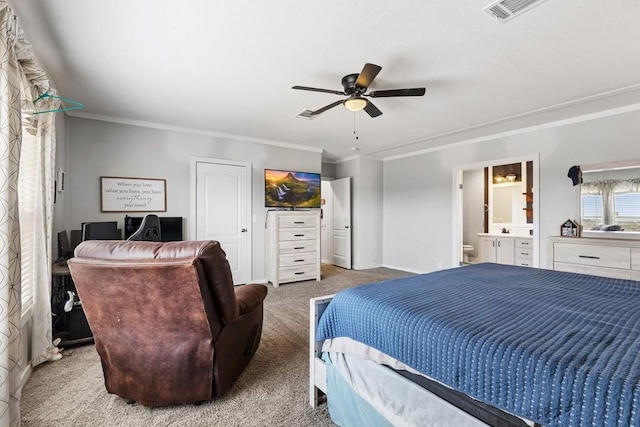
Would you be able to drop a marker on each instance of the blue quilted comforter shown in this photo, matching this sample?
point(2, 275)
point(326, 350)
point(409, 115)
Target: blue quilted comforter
point(561, 349)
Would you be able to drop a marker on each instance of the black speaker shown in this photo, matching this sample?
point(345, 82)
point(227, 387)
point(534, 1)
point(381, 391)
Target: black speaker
point(78, 326)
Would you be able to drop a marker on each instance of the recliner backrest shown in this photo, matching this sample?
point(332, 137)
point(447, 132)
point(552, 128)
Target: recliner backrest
point(210, 258)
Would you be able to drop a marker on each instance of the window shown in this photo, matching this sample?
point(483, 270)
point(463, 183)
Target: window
point(628, 211)
point(592, 210)
point(27, 190)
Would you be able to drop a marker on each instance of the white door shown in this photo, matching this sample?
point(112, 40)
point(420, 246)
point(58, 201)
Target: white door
point(222, 212)
point(341, 233)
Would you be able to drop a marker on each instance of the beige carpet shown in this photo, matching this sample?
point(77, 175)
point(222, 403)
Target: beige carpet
point(273, 390)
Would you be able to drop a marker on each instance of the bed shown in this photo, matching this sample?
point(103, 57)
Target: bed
point(530, 346)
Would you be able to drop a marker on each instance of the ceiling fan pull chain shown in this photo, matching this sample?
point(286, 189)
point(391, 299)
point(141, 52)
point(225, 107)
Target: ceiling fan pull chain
point(354, 125)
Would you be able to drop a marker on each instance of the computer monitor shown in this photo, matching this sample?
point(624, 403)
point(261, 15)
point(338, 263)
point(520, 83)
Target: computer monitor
point(170, 226)
point(64, 247)
point(107, 230)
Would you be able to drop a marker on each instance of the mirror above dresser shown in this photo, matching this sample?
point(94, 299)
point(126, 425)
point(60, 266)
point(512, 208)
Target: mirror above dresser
point(610, 200)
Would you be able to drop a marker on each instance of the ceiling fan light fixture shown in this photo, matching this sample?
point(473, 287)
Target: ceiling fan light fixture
point(355, 104)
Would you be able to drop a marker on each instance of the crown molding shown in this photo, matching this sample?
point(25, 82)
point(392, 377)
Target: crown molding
point(154, 125)
point(523, 130)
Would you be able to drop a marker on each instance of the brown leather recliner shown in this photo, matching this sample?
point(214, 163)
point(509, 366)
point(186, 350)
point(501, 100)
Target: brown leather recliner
point(169, 326)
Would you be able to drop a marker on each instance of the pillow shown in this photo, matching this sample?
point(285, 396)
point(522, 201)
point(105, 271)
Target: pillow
point(607, 227)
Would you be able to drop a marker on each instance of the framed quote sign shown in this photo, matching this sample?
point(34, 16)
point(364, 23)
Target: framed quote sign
point(120, 194)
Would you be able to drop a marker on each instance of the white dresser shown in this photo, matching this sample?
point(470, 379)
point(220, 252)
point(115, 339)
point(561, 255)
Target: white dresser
point(506, 249)
point(293, 246)
point(615, 258)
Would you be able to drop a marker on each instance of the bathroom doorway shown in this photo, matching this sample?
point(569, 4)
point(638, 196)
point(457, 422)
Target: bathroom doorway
point(476, 222)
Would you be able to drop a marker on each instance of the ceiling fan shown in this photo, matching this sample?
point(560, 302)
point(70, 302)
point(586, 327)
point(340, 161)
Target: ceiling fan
point(355, 87)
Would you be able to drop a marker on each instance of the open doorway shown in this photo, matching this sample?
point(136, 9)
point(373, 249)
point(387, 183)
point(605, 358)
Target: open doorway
point(488, 226)
point(335, 227)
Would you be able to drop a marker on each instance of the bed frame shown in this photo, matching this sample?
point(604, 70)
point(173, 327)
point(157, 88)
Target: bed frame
point(317, 369)
point(457, 400)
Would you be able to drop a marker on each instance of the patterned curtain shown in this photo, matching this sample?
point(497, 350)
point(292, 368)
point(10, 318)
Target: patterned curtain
point(11, 362)
point(22, 80)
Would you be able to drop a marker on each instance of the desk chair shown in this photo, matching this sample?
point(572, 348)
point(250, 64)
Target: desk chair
point(149, 229)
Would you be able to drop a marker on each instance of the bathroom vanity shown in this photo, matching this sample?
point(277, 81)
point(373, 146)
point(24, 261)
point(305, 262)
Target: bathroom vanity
point(506, 249)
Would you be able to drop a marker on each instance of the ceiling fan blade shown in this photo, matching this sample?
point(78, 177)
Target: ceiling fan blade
point(315, 89)
point(325, 108)
point(417, 91)
point(368, 73)
point(372, 110)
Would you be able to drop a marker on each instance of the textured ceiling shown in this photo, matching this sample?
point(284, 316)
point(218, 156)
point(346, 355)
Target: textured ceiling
point(227, 67)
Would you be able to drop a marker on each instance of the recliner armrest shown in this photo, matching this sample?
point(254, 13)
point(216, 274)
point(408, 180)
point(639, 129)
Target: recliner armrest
point(249, 297)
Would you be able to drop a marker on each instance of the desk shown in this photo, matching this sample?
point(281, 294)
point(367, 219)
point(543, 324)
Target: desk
point(71, 327)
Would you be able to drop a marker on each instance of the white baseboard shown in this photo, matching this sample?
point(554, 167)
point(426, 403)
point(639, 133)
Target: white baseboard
point(258, 281)
point(408, 270)
point(357, 267)
point(25, 374)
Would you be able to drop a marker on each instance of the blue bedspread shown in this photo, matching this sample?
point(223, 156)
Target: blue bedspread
point(561, 349)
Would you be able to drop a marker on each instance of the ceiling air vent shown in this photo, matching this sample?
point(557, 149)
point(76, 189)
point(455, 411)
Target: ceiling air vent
point(504, 10)
point(306, 114)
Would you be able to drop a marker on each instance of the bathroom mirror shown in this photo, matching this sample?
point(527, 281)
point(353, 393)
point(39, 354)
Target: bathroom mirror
point(506, 203)
point(610, 200)
point(509, 186)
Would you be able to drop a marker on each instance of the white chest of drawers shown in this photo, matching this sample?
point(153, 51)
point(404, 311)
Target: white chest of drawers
point(293, 246)
point(615, 258)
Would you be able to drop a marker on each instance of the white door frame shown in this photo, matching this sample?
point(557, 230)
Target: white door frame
point(326, 228)
point(348, 262)
point(192, 227)
point(458, 202)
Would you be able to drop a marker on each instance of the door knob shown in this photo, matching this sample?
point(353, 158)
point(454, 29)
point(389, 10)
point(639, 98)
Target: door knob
point(244, 230)
point(346, 226)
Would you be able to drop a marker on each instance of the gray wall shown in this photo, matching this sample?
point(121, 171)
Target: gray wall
point(98, 148)
point(366, 210)
point(328, 171)
point(418, 190)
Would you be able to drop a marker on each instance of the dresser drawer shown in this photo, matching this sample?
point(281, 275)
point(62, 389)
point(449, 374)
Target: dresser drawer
point(297, 234)
point(302, 272)
point(592, 255)
point(524, 253)
point(298, 259)
point(524, 243)
point(524, 262)
point(635, 259)
point(596, 271)
point(296, 221)
point(297, 246)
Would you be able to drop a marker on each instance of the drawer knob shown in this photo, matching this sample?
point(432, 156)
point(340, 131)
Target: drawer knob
point(299, 235)
point(299, 272)
point(299, 247)
point(298, 260)
point(588, 256)
point(298, 222)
